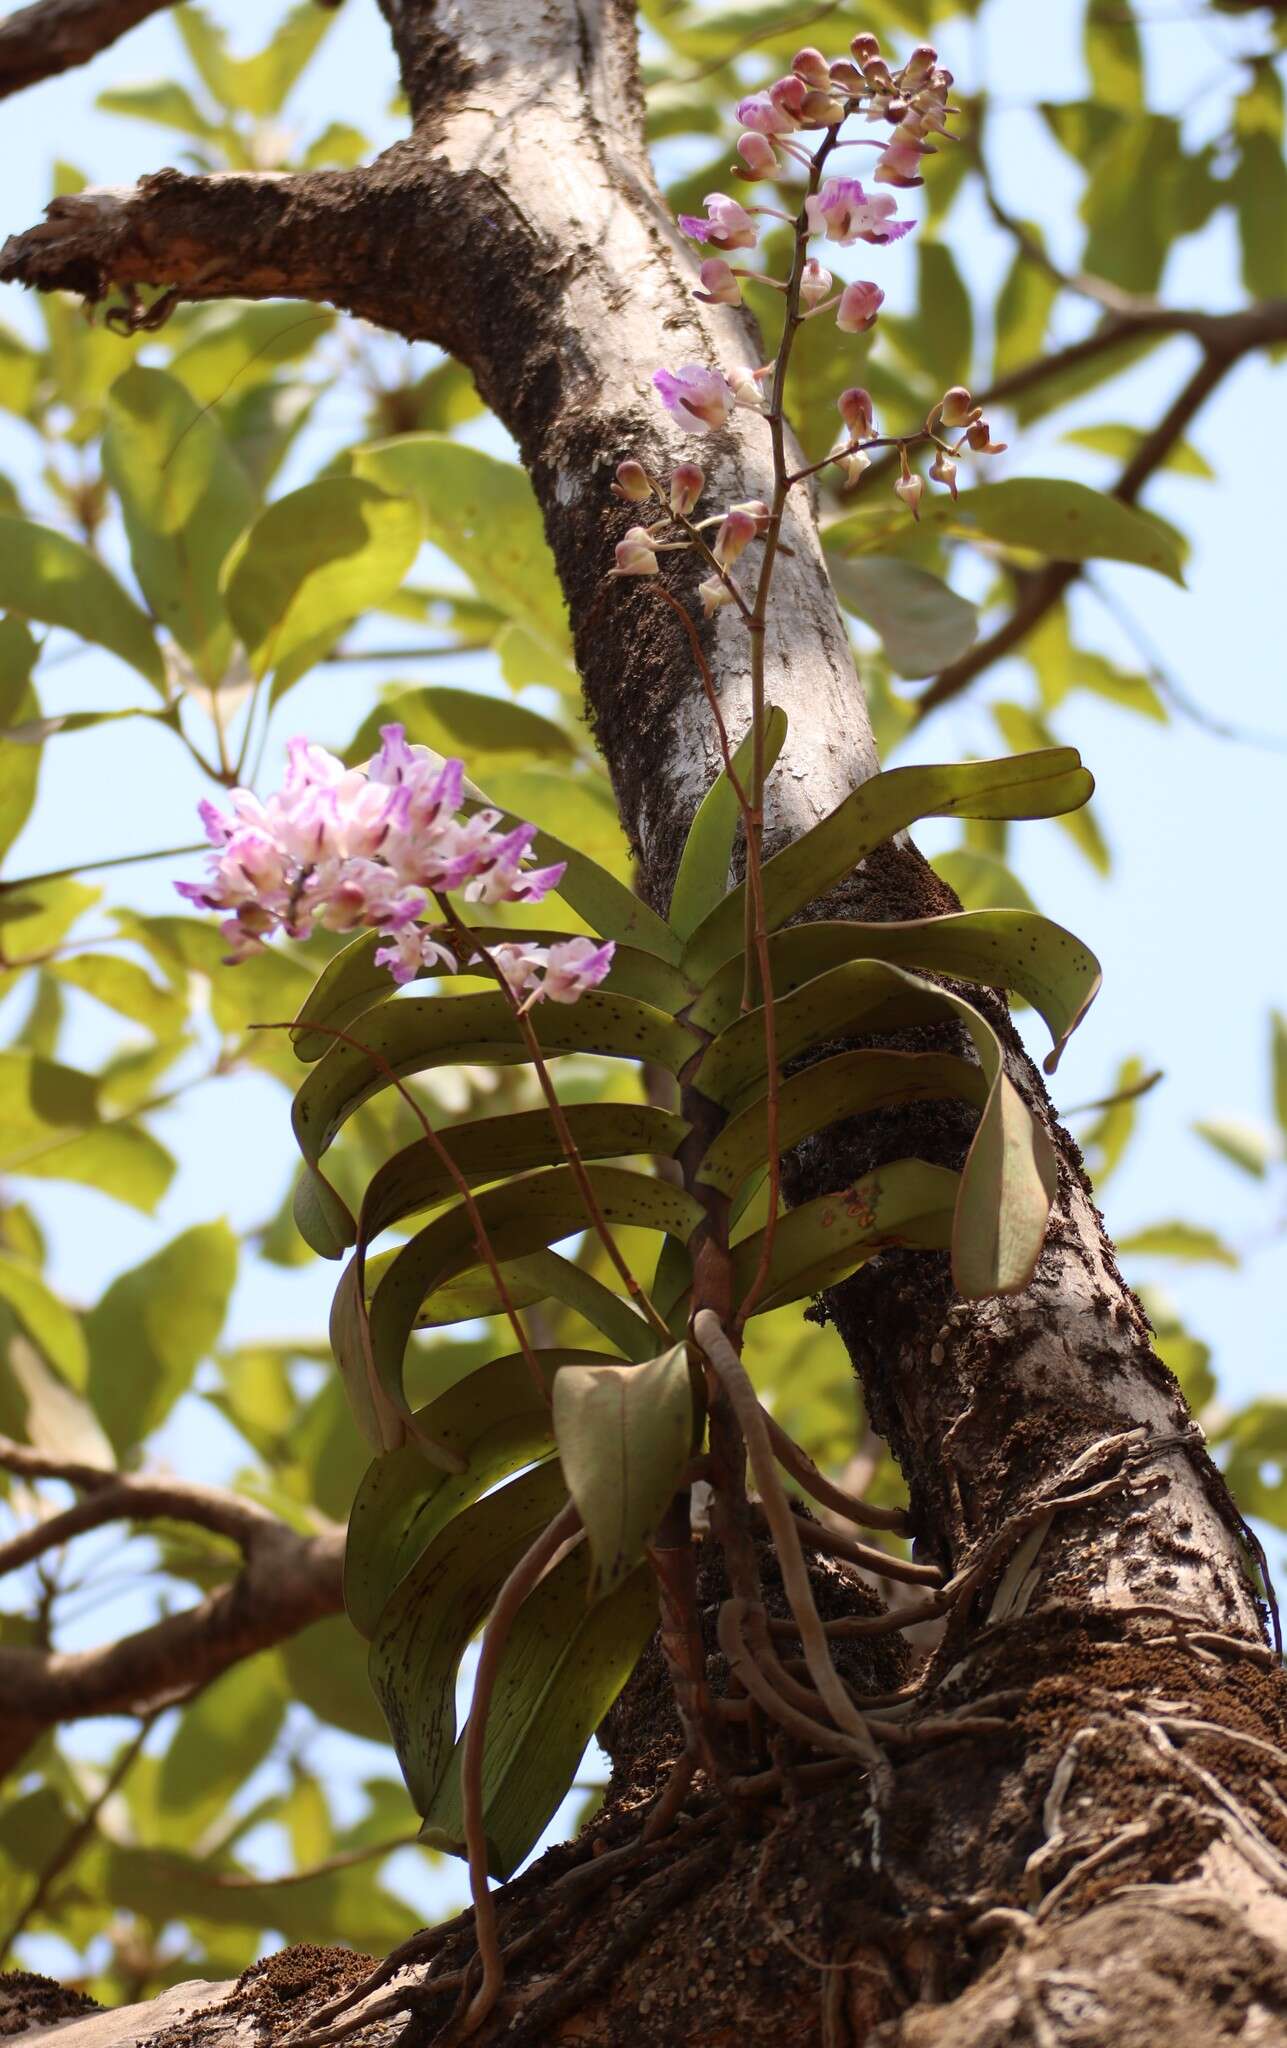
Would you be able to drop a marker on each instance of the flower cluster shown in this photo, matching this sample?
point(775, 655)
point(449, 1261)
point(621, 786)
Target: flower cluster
point(353, 849)
point(910, 100)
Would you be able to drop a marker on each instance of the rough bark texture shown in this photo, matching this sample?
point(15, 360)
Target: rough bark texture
point(1102, 1861)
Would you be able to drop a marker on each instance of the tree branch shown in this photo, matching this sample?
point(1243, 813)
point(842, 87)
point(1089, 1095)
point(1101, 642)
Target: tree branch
point(56, 35)
point(287, 1580)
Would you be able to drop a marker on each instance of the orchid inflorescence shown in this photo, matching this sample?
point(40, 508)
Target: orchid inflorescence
point(352, 849)
point(912, 101)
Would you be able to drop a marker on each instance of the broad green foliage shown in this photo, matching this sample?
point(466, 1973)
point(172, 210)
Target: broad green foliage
point(198, 519)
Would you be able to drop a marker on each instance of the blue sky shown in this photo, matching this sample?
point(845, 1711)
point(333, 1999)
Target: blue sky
point(1189, 927)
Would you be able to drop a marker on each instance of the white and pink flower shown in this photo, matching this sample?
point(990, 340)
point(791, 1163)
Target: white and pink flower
point(699, 399)
point(728, 224)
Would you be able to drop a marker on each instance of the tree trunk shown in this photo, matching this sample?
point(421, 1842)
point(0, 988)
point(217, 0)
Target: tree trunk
point(1101, 1861)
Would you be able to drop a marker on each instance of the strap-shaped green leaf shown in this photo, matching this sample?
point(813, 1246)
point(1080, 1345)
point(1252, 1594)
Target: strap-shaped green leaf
point(421, 1032)
point(482, 1150)
point(525, 1214)
point(425, 1627)
point(564, 1664)
point(1008, 1180)
point(497, 1419)
point(624, 1434)
point(351, 984)
point(819, 1244)
point(1013, 949)
point(847, 1085)
point(703, 867)
point(1039, 785)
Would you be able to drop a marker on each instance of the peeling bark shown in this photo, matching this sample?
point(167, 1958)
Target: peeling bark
point(519, 226)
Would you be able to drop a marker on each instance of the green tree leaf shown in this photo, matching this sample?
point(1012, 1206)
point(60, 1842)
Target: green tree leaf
point(1050, 516)
point(185, 499)
point(1278, 1067)
point(326, 1672)
point(1178, 1240)
point(1243, 1144)
point(47, 1320)
point(702, 877)
point(153, 1327)
point(567, 1658)
point(1114, 57)
point(483, 514)
point(922, 623)
point(19, 766)
point(255, 85)
point(1259, 183)
point(624, 1435)
point(221, 1737)
point(1023, 730)
point(47, 576)
point(1037, 785)
point(1254, 1446)
point(313, 560)
point(1122, 443)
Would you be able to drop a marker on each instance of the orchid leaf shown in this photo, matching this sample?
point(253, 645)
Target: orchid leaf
point(703, 867)
point(624, 1435)
point(1040, 785)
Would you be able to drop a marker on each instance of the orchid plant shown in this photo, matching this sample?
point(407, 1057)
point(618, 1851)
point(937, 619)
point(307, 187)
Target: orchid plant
point(589, 1541)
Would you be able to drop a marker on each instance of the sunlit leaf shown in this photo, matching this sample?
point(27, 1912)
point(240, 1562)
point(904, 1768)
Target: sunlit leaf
point(817, 1245)
point(703, 866)
point(47, 576)
point(313, 560)
point(1188, 1242)
point(1243, 1144)
point(1051, 516)
point(153, 1327)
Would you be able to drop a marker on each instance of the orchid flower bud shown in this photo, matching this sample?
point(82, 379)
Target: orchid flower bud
point(900, 165)
point(758, 155)
point(737, 531)
point(859, 305)
point(847, 78)
point(957, 408)
point(787, 95)
point(856, 410)
point(815, 282)
point(636, 555)
point(713, 593)
point(810, 65)
point(980, 440)
point(821, 110)
point(943, 471)
point(687, 482)
point(865, 47)
point(920, 64)
point(632, 483)
point(877, 73)
point(746, 389)
point(756, 509)
point(721, 286)
point(911, 489)
point(852, 463)
point(728, 225)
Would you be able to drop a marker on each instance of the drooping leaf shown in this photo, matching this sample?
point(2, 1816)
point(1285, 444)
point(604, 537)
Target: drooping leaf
point(418, 1033)
point(497, 1419)
point(846, 1085)
point(1050, 516)
point(1011, 949)
point(702, 876)
point(47, 1320)
point(47, 576)
point(314, 559)
point(1021, 729)
point(624, 1435)
point(424, 1628)
point(922, 623)
point(566, 1660)
point(524, 1214)
point(1007, 1183)
point(185, 499)
point(153, 1327)
point(817, 1245)
point(1038, 785)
